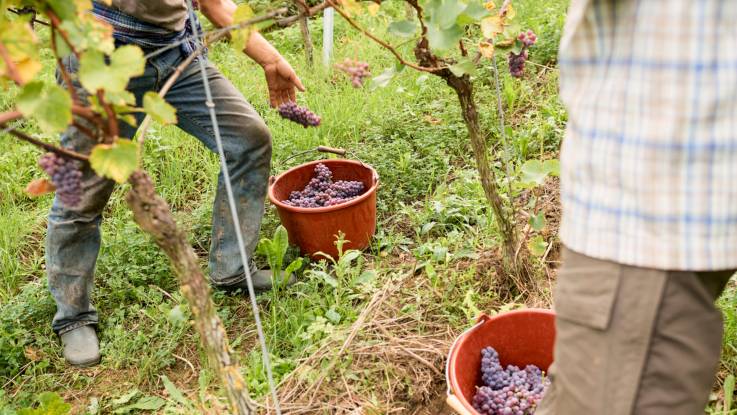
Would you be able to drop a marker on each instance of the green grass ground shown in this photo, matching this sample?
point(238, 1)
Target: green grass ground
point(425, 279)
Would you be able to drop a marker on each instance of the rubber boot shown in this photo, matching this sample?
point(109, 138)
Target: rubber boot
point(81, 347)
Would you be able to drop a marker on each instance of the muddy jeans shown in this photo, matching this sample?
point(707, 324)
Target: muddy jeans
point(633, 341)
point(73, 237)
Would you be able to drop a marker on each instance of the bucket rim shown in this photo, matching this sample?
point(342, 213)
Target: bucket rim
point(450, 376)
point(279, 204)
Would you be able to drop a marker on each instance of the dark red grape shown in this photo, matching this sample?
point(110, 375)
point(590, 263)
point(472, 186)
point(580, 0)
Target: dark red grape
point(300, 115)
point(66, 177)
point(322, 191)
point(510, 391)
point(357, 70)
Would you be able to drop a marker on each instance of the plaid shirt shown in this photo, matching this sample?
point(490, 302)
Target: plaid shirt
point(130, 30)
point(649, 162)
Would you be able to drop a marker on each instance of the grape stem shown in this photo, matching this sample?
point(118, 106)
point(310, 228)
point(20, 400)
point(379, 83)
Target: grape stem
point(387, 46)
point(63, 69)
point(112, 121)
point(46, 146)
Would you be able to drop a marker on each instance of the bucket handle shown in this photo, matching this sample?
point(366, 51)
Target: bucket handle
point(482, 318)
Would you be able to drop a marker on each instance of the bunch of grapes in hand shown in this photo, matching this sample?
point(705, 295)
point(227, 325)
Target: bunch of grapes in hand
point(357, 70)
point(301, 115)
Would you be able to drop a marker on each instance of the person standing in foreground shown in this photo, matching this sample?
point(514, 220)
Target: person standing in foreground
point(73, 236)
point(649, 194)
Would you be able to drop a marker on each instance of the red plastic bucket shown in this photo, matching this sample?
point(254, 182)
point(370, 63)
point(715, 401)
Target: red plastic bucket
point(521, 337)
point(316, 229)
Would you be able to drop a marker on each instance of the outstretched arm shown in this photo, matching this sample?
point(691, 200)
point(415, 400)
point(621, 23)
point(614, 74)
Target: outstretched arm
point(280, 77)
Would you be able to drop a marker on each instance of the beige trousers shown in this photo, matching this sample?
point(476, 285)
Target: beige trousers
point(633, 341)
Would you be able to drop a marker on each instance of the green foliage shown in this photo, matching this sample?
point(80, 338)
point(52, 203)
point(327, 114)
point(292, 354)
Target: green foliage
point(49, 403)
point(49, 105)
point(125, 62)
point(275, 250)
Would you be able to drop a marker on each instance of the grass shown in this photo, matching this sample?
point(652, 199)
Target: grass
point(427, 275)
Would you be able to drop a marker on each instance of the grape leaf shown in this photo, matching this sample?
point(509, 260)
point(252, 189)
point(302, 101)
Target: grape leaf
point(537, 246)
point(535, 171)
point(373, 9)
point(383, 79)
point(49, 105)
point(160, 110)
point(476, 10)
point(448, 13)
point(552, 166)
point(39, 187)
point(64, 9)
point(486, 49)
point(537, 221)
point(239, 38)
point(463, 67)
point(20, 41)
point(115, 161)
point(403, 28)
point(492, 26)
point(125, 62)
point(443, 39)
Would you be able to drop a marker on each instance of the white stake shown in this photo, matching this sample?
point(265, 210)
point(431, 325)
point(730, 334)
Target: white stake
point(327, 35)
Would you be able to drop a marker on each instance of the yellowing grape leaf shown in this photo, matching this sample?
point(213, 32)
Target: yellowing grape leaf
point(239, 38)
point(20, 41)
point(492, 26)
point(373, 9)
point(486, 49)
point(160, 110)
point(115, 161)
point(490, 6)
point(351, 7)
point(509, 12)
point(38, 187)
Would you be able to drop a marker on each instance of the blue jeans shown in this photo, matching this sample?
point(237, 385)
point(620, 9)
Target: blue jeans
point(73, 236)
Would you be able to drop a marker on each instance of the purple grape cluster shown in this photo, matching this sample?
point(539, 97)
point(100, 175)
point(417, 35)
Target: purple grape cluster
point(300, 115)
point(528, 38)
point(517, 60)
point(322, 191)
point(66, 177)
point(357, 70)
point(510, 391)
point(517, 63)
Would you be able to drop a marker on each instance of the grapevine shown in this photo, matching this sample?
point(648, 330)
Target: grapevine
point(510, 391)
point(66, 177)
point(300, 115)
point(322, 191)
point(357, 70)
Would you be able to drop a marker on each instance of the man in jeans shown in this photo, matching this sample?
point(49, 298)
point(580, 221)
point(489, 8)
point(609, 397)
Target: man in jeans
point(73, 237)
point(649, 193)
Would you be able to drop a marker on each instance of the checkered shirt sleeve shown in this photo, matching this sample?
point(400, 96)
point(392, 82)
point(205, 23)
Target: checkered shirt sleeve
point(649, 161)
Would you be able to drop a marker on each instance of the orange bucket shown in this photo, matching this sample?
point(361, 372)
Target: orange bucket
point(316, 229)
point(521, 337)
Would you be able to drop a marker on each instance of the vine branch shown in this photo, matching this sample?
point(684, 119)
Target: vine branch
point(46, 146)
point(387, 46)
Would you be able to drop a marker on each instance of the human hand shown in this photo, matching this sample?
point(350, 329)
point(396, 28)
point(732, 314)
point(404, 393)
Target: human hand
point(281, 81)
